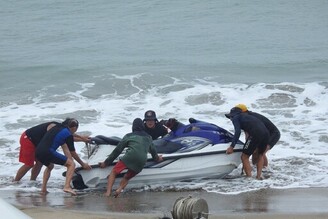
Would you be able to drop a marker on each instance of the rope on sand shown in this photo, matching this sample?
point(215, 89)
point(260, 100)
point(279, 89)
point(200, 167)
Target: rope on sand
point(190, 208)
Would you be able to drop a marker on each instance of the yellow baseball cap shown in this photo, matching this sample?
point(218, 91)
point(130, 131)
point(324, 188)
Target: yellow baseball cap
point(243, 107)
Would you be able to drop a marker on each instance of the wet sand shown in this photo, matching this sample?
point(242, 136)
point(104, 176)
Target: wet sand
point(266, 203)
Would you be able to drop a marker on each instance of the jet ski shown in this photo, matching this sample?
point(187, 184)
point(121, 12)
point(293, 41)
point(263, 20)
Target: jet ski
point(193, 151)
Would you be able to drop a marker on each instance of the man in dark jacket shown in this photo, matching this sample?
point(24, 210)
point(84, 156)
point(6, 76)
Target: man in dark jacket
point(273, 131)
point(138, 144)
point(257, 137)
point(154, 128)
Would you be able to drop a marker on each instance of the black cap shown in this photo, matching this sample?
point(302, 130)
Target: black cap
point(234, 111)
point(137, 125)
point(150, 115)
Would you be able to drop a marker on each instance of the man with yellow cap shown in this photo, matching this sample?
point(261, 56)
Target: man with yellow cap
point(273, 131)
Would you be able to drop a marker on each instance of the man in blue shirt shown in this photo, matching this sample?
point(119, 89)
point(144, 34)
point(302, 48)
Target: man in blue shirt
point(46, 153)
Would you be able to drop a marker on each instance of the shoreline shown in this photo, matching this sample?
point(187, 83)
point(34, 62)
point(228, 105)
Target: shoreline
point(265, 203)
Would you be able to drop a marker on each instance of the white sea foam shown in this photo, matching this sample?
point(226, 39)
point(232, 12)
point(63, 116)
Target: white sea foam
point(298, 160)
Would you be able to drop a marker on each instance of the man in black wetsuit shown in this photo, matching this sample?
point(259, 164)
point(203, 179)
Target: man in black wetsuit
point(257, 137)
point(46, 152)
point(273, 131)
point(154, 128)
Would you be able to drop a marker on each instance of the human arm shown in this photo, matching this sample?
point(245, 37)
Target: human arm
point(73, 154)
point(160, 158)
point(66, 151)
point(76, 157)
point(153, 152)
point(237, 132)
point(115, 153)
point(235, 138)
point(164, 124)
point(229, 150)
point(161, 129)
point(79, 138)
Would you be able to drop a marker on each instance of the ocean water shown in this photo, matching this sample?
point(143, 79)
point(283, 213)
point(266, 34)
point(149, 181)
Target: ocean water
point(107, 62)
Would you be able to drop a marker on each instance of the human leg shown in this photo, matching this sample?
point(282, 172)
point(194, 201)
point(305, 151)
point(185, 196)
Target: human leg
point(262, 146)
point(36, 170)
point(26, 156)
point(265, 158)
point(69, 175)
point(110, 183)
point(273, 139)
point(248, 150)
point(259, 167)
point(246, 164)
point(46, 176)
point(21, 172)
point(255, 157)
point(118, 168)
point(124, 182)
point(60, 159)
point(265, 161)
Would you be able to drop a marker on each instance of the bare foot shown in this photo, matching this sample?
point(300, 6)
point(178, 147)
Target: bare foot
point(116, 193)
point(44, 192)
point(107, 194)
point(69, 190)
point(259, 178)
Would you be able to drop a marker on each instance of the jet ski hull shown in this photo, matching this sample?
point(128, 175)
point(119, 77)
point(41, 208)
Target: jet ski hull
point(193, 151)
point(208, 162)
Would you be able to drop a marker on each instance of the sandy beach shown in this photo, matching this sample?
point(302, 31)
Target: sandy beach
point(265, 203)
point(52, 214)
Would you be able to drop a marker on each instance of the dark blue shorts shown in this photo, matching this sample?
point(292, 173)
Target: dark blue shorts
point(55, 158)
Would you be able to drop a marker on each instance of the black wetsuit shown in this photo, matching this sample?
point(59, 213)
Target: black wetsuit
point(273, 130)
point(36, 133)
point(258, 133)
point(46, 151)
point(158, 131)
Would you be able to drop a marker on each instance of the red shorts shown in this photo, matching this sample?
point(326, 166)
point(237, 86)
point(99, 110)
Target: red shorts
point(27, 151)
point(120, 166)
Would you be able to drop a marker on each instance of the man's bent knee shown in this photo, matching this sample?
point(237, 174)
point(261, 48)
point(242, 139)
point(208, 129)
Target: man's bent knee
point(70, 163)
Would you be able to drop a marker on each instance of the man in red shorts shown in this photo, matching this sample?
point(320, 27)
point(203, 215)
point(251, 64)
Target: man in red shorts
point(138, 144)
